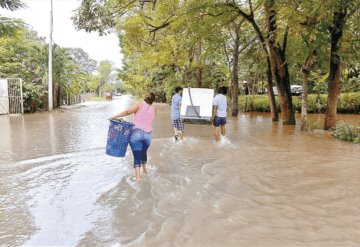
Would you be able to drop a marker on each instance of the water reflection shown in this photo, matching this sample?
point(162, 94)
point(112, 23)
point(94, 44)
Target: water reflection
point(267, 185)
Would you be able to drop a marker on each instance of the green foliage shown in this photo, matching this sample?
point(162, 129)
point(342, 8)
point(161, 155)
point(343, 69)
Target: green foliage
point(24, 55)
point(8, 26)
point(97, 15)
point(316, 103)
point(34, 96)
point(311, 125)
point(92, 83)
point(82, 59)
point(167, 43)
point(105, 69)
point(160, 41)
point(104, 77)
point(258, 103)
point(347, 133)
point(109, 87)
point(347, 103)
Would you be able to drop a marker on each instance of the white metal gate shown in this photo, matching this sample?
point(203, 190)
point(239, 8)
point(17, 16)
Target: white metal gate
point(4, 97)
point(11, 97)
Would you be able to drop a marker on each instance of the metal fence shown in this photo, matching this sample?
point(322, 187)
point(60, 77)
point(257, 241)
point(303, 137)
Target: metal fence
point(77, 98)
point(12, 96)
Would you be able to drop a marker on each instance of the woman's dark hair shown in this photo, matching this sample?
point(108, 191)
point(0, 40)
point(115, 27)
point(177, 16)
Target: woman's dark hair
point(149, 98)
point(178, 89)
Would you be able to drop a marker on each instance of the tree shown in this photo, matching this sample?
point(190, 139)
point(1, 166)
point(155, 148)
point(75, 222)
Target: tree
point(9, 26)
point(269, 77)
point(238, 39)
point(235, 70)
point(279, 63)
point(80, 57)
point(306, 43)
point(105, 69)
point(23, 58)
point(340, 14)
point(189, 43)
point(26, 57)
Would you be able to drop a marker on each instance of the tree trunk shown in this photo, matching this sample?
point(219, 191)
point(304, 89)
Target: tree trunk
point(339, 20)
point(305, 70)
point(61, 96)
point(270, 91)
point(99, 90)
point(304, 98)
point(235, 74)
point(269, 77)
point(55, 95)
point(198, 70)
point(281, 75)
point(279, 66)
point(188, 72)
point(58, 98)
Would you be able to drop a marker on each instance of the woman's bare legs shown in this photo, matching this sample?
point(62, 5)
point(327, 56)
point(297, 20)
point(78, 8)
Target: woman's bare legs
point(144, 168)
point(137, 173)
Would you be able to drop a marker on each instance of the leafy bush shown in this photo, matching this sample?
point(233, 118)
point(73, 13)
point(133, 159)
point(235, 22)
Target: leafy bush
point(349, 103)
point(34, 96)
point(347, 133)
point(258, 103)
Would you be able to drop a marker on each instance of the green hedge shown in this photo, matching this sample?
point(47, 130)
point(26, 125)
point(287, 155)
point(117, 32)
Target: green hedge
point(347, 103)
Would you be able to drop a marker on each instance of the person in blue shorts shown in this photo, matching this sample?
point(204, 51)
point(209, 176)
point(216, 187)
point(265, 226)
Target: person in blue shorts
point(177, 122)
point(218, 118)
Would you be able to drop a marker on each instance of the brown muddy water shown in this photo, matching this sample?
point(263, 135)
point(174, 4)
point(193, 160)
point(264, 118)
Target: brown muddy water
point(264, 185)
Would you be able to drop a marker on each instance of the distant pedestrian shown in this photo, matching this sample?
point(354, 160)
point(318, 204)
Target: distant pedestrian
point(218, 118)
point(140, 138)
point(177, 122)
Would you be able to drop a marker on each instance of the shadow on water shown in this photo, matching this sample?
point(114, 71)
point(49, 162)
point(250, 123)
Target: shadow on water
point(264, 185)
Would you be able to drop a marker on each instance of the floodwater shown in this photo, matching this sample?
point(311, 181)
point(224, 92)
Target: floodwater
point(264, 185)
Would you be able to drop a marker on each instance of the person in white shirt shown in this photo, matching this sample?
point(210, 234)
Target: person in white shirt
point(218, 118)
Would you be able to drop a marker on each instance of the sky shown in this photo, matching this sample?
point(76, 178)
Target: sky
point(37, 16)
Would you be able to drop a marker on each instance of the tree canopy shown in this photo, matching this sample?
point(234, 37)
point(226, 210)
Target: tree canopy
point(191, 43)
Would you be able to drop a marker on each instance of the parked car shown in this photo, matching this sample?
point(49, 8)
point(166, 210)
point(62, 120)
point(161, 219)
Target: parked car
point(295, 90)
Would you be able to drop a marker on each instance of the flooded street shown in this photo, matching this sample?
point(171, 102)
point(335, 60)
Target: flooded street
point(267, 185)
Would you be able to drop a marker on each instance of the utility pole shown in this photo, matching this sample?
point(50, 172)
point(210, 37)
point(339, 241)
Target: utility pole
point(50, 89)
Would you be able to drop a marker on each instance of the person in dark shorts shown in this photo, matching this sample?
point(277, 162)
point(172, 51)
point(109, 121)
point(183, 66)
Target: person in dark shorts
point(218, 118)
point(177, 122)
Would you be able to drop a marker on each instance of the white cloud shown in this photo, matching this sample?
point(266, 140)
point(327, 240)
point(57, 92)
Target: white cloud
point(37, 15)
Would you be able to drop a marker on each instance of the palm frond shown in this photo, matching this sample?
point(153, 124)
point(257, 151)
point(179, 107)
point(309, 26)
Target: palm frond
point(12, 4)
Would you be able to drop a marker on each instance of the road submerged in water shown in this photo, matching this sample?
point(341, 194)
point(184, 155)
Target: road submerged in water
point(265, 185)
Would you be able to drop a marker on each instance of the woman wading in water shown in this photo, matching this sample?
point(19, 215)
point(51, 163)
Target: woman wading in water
point(140, 138)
